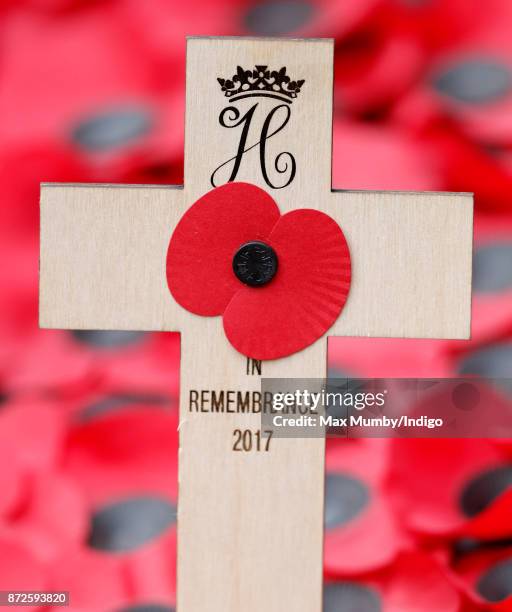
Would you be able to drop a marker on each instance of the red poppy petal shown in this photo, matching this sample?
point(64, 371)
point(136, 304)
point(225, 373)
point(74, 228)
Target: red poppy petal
point(119, 453)
point(152, 569)
point(52, 517)
point(95, 581)
point(19, 570)
point(447, 467)
point(420, 584)
point(305, 297)
point(199, 259)
point(483, 575)
point(369, 542)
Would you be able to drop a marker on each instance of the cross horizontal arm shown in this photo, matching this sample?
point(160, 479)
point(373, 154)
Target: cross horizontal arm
point(103, 251)
point(411, 263)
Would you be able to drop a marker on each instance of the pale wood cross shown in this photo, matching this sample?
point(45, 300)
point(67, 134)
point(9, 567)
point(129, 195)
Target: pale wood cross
point(250, 523)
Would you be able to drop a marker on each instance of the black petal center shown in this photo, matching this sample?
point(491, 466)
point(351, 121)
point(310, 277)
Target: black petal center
point(475, 81)
point(496, 584)
point(107, 339)
point(482, 490)
point(278, 17)
point(492, 268)
point(255, 263)
point(128, 524)
point(112, 129)
point(350, 597)
point(345, 498)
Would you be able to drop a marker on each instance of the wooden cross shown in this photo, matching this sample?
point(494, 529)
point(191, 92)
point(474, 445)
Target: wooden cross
point(250, 522)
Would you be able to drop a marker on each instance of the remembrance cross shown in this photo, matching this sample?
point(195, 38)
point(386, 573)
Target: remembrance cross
point(250, 518)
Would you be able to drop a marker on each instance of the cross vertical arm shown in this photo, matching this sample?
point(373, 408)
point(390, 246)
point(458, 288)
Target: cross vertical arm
point(300, 129)
point(244, 512)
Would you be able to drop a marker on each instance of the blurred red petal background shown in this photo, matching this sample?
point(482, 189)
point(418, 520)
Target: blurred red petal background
point(94, 91)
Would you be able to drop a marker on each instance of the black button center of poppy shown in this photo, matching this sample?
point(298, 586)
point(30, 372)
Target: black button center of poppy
point(485, 488)
point(345, 498)
point(496, 584)
point(255, 263)
point(130, 523)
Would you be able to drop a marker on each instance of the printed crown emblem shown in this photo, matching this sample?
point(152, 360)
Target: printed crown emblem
point(261, 82)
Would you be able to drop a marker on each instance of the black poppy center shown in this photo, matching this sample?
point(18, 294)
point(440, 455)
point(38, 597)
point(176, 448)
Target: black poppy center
point(255, 263)
point(128, 524)
point(103, 339)
point(345, 498)
point(278, 17)
point(113, 128)
point(485, 488)
point(475, 81)
point(351, 597)
point(492, 268)
point(496, 584)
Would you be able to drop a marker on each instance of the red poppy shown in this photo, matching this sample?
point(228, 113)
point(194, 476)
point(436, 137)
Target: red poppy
point(362, 533)
point(125, 463)
point(96, 508)
point(113, 106)
point(485, 576)
point(469, 78)
point(296, 266)
point(472, 79)
point(128, 560)
point(472, 483)
point(415, 582)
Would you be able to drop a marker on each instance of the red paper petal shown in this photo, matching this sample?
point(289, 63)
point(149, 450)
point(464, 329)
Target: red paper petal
point(52, 517)
point(119, 453)
point(94, 580)
point(414, 583)
point(199, 259)
point(447, 467)
point(305, 297)
point(32, 433)
point(482, 575)
point(19, 570)
point(366, 544)
point(372, 538)
point(419, 584)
